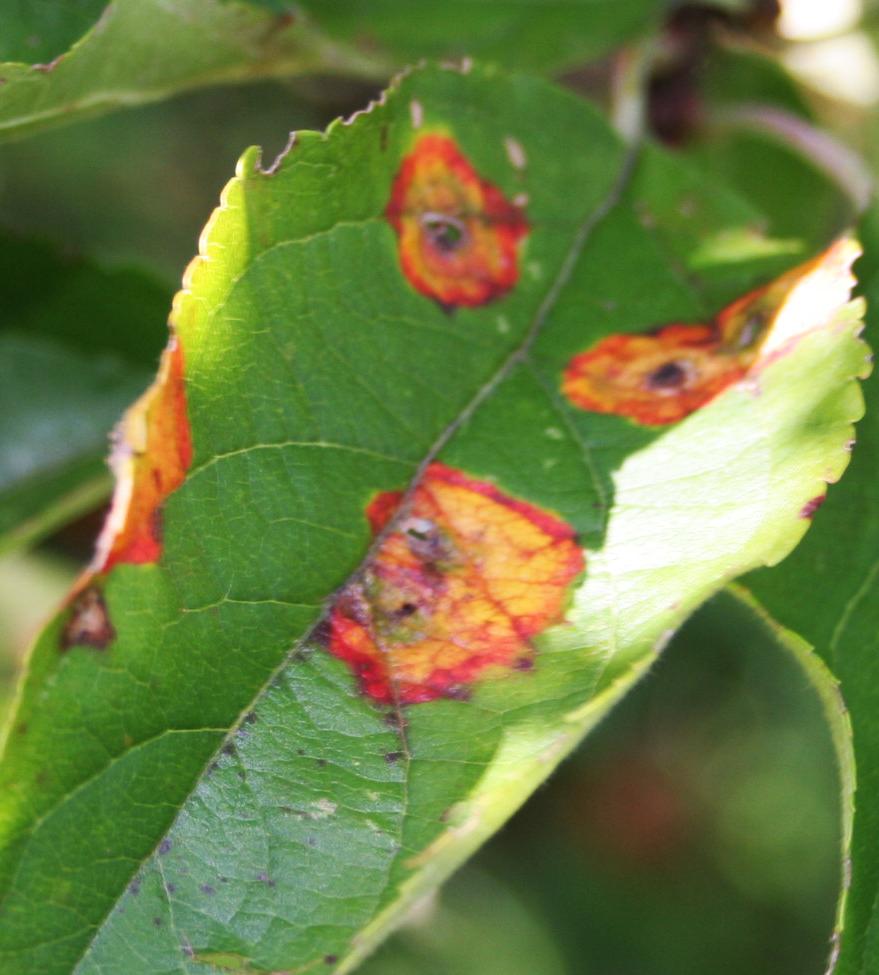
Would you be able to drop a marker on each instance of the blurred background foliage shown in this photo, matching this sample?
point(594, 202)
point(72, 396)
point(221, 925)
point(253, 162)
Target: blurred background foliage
point(697, 829)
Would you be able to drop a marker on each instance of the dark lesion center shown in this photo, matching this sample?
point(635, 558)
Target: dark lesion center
point(754, 326)
point(446, 233)
point(668, 377)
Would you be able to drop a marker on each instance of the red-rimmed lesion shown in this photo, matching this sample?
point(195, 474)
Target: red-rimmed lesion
point(663, 375)
point(456, 591)
point(151, 455)
point(458, 235)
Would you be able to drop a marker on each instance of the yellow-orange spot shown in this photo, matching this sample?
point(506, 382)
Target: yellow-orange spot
point(654, 378)
point(458, 234)
point(662, 376)
point(456, 590)
point(150, 460)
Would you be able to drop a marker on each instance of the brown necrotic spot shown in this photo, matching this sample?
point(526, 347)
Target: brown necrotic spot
point(89, 623)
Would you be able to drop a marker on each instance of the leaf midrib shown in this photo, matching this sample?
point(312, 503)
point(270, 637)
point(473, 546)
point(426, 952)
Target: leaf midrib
point(517, 356)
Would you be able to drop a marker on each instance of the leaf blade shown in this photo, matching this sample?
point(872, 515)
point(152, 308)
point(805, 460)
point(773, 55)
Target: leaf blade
point(370, 814)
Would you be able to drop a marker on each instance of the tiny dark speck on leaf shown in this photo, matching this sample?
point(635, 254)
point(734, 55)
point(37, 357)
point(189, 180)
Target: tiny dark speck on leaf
point(524, 663)
point(811, 506)
point(300, 751)
point(331, 959)
point(207, 889)
point(264, 878)
point(228, 748)
point(250, 717)
point(170, 888)
point(321, 763)
point(164, 846)
point(134, 887)
point(157, 921)
point(391, 757)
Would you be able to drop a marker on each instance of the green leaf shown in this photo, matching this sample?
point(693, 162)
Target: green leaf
point(77, 342)
point(535, 36)
point(826, 593)
point(40, 30)
point(191, 782)
point(757, 134)
point(143, 50)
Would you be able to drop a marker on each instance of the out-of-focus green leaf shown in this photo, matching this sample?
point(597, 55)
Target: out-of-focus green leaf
point(76, 344)
point(37, 31)
point(757, 134)
point(142, 50)
point(545, 36)
point(827, 592)
point(475, 927)
point(200, 785)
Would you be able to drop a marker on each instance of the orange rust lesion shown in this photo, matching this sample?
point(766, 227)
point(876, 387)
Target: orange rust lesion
point(661, 376)
point(456, 591)
point(152, 454)
point(458, 235)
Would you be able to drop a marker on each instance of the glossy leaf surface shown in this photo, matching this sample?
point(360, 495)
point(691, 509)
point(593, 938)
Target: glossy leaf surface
point(203, 776)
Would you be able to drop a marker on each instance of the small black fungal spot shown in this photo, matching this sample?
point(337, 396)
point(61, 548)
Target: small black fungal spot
point(311, 841)
point(524, 664)
point(669, 376)
point(251, 717)
point(164, 846)
point(207, 889)
point(391, 757)
point(134, 887)
point(330, 959)
point(157, 921)
point(264, 878)
point(321, 763)
point(170, 887)
point(445, 232)
point(228, 748)
point(300, 751)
